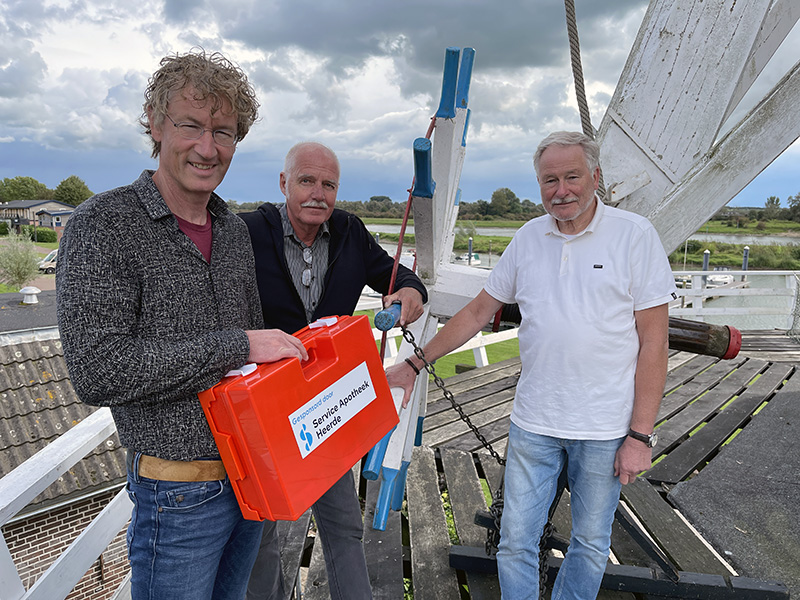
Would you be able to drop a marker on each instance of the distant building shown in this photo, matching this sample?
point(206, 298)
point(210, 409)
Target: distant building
point(54, 219)
point(23, 212)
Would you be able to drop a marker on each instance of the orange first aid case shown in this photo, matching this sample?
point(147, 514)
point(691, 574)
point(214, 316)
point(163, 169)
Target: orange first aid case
point(288, 431)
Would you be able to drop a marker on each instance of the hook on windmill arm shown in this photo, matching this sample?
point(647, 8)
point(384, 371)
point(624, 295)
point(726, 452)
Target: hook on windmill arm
point(465, 77)
point(447, 103)
point(423, 173)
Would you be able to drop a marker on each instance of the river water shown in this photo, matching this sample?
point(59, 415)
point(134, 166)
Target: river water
point(768, 302)
point(763, 240)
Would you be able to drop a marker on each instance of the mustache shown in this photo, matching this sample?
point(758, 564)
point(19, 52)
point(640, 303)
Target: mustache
point(314, 204)
point(556, 201)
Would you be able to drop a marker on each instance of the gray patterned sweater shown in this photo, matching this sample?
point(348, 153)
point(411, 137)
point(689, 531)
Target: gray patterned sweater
point(146, 322)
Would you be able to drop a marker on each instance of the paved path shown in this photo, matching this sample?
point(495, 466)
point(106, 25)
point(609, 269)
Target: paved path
point(44, 282)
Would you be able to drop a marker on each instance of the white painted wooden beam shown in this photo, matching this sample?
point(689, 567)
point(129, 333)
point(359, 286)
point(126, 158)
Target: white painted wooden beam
point(779, 21)
point(10, 582)
point(65, 573)
point(454, 288)
point(743, 153)
point(32, 477)
point(669, 104)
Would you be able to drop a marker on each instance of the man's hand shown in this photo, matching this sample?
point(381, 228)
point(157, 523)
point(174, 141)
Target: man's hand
point(632, 458)
point(402, 376)
point(269, 345)
point(411, 304)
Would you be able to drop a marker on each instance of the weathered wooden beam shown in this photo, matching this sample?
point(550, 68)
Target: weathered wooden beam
point(67, 570)
point(743, 153)
point(29, 479)
point(642, 580)
point(674, 90)
point(778, 23)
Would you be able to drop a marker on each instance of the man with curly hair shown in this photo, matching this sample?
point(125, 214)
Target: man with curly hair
point(157, 300)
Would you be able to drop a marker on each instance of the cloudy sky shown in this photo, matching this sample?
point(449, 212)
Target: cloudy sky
point(362, 76)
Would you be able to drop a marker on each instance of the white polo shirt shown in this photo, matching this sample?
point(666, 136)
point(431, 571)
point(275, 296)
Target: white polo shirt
point(578, 340)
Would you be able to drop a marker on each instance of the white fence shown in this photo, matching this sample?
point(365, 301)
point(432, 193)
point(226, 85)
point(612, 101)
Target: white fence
point(753, 300)
point(28, 480)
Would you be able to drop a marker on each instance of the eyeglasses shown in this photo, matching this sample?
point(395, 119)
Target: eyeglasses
point(190, 131)
point(307, 258)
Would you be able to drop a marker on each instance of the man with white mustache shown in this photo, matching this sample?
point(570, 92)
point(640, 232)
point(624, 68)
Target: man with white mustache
point(313, 261)
point(593, 285)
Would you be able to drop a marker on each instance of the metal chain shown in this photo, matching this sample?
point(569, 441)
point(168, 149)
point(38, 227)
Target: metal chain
point(492, 535)
point(549, 529)
point(496, 510)
point(409, 337)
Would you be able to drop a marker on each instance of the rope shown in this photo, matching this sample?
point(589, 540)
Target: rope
point(577, 74)
point(399, 251)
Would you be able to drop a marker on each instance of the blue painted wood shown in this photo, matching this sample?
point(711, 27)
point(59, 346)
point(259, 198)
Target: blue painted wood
point(383, 504)
point(447, 103)
point(465, 77)
point(423, 174)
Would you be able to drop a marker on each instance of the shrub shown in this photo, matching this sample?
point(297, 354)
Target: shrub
point(19, 261)
point(44, 235)
point(39, 234)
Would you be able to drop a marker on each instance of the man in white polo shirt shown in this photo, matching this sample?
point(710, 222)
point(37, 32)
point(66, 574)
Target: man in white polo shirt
point(592, 283)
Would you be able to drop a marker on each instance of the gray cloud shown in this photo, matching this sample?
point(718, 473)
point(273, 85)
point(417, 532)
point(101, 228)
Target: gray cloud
point(363, 76)
point(22, 69)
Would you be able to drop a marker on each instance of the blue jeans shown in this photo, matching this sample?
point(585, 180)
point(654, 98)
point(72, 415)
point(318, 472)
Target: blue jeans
point(341, 529)
point(531, 476)
point(188, 540)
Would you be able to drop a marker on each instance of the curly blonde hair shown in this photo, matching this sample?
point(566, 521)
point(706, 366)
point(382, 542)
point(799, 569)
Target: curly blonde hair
point(213, 78)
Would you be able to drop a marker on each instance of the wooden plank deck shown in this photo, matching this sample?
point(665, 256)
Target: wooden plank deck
point(706, 402)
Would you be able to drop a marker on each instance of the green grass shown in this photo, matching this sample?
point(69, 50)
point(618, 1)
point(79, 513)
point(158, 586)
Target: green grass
point(753, 227)
point(463, 223)
point(446, 366)
point(451, 522)
point(771, 257)
point(480, 243)
point(48, 245)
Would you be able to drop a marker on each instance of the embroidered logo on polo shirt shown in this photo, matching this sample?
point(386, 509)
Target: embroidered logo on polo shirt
point(598, 266)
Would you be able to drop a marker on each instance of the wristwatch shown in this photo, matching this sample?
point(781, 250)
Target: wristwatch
point(651, 440)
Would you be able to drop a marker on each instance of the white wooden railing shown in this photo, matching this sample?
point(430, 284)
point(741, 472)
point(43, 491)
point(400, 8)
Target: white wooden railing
point(25, 482)
point(755, 299)
point(32, 477)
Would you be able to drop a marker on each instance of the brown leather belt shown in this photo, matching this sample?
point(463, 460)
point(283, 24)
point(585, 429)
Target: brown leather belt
point(180, 470)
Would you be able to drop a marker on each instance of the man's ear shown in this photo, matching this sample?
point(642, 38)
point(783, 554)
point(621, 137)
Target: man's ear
point(155, 129)
point(283, 183)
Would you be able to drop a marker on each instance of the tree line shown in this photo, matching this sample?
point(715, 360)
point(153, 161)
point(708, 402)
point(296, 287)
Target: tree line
point(72, 190)
point(772, 211)
point(503, 205)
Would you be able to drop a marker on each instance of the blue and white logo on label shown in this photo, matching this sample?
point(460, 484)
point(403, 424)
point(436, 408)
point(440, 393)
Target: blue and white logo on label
point(306, 438)
point(323, 415)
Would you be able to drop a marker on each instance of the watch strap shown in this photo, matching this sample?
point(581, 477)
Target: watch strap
point(642, 437)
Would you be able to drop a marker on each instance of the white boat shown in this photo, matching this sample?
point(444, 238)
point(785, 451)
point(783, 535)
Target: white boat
point(719, 280)
point(465, 258)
